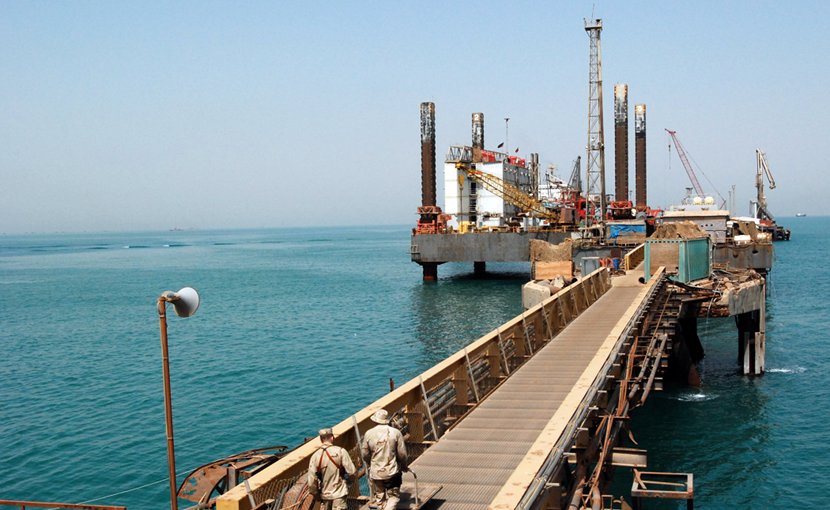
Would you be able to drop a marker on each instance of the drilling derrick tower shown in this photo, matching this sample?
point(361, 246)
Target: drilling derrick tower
point(595, 169)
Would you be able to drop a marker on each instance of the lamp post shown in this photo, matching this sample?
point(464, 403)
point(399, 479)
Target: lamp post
point(185, 302)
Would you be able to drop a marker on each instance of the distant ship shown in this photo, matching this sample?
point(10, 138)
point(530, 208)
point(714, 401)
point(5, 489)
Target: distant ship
point(800, 215)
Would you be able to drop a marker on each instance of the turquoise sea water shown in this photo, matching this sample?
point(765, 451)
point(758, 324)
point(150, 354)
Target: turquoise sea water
point(300, 328)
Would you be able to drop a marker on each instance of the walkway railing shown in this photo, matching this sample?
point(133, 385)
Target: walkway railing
point(42, 504)
point(635, 257)
point(432, 403)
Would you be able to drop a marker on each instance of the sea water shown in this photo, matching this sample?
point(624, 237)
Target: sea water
point(299, 328)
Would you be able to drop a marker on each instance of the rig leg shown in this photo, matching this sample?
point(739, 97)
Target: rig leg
point(430, 271)
point(479, 268)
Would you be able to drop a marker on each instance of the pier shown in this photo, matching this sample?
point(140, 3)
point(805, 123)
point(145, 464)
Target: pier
point(532, 414)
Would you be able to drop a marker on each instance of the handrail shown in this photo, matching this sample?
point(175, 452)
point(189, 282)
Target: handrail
point(635, 257)
point(43, 504)
point(448, 386)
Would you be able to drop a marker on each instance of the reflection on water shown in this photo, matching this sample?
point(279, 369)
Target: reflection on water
point(461, 307)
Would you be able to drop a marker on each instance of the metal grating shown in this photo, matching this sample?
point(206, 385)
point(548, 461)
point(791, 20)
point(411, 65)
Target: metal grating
point(474, 460)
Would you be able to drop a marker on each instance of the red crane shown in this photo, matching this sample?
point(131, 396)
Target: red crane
point(685, 160)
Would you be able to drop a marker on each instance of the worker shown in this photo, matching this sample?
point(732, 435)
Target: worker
point(328, 473)
point(384, 447)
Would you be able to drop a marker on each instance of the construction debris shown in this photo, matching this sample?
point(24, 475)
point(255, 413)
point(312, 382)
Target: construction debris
point(543, 251)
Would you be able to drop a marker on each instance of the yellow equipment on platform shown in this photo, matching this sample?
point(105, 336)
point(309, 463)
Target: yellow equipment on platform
point(509, 193)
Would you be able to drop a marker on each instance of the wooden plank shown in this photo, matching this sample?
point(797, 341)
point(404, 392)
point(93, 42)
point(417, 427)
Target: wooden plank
point(552, 269)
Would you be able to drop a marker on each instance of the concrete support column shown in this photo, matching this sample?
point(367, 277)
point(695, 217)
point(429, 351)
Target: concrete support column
point(752, 339)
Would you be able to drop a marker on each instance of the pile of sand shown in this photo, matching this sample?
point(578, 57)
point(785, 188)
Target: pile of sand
point(543, 251)
point(679, 230)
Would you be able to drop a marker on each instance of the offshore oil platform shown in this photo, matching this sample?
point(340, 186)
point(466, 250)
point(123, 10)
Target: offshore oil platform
point(496, 203)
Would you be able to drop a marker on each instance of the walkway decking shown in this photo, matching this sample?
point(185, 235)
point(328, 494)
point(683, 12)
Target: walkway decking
point(492, 449)
point(503, 449)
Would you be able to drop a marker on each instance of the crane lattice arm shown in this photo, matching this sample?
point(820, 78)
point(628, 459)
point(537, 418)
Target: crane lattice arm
point(762, 164)
point(762, 168)
point(575, 181)
point(507, 192)
point(685, 160)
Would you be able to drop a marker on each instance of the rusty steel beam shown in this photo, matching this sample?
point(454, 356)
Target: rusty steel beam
point(641, 201)
point(621, 141)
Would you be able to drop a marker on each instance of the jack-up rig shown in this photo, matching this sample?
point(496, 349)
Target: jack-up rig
point(494, 202)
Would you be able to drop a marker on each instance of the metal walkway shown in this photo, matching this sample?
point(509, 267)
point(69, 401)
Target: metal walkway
point(479, 457)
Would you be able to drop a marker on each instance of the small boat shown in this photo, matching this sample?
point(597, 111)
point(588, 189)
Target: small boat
point(800, 215)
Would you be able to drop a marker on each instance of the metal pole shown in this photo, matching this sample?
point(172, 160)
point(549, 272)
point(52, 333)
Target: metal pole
point(365, 462)
point(472, 375)
point(506, 137)
point(168, 406)
point(503, 354)
point(429, 411)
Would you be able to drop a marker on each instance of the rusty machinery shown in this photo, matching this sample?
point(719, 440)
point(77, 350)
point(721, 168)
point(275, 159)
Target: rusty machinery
point(205, 483)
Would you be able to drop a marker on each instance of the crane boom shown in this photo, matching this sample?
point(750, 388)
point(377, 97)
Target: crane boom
point(508, 192)
point(762, 163)
point(685, 160)
point(575, 181)
point(762, 168)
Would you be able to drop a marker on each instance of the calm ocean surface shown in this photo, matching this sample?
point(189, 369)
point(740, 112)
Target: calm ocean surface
point(299, 328)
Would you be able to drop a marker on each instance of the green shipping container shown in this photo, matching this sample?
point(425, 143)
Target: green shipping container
point(685, 260)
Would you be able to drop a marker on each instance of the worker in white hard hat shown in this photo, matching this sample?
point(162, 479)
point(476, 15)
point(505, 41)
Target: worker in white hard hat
point(383, 445)
point(328, 472)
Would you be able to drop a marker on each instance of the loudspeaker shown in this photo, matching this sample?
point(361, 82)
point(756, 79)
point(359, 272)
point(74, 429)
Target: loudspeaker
point(187, 302)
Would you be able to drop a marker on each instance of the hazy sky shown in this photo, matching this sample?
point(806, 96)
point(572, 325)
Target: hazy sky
point(152, 115)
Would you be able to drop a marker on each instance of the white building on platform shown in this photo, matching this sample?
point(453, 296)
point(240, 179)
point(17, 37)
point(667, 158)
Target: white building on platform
point(471, 204)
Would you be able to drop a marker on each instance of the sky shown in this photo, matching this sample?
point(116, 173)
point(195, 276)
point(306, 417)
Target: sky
point(119, 116)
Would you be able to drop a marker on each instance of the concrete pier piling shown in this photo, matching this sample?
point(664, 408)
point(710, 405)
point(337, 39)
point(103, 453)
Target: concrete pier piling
point(752, 338)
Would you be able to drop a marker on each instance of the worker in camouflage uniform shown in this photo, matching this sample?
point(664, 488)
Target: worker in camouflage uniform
point(328, 472)
point(383, 445)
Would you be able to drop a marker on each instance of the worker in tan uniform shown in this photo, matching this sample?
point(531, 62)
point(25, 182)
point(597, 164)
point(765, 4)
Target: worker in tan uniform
point(328, 472)
point(383, 445)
